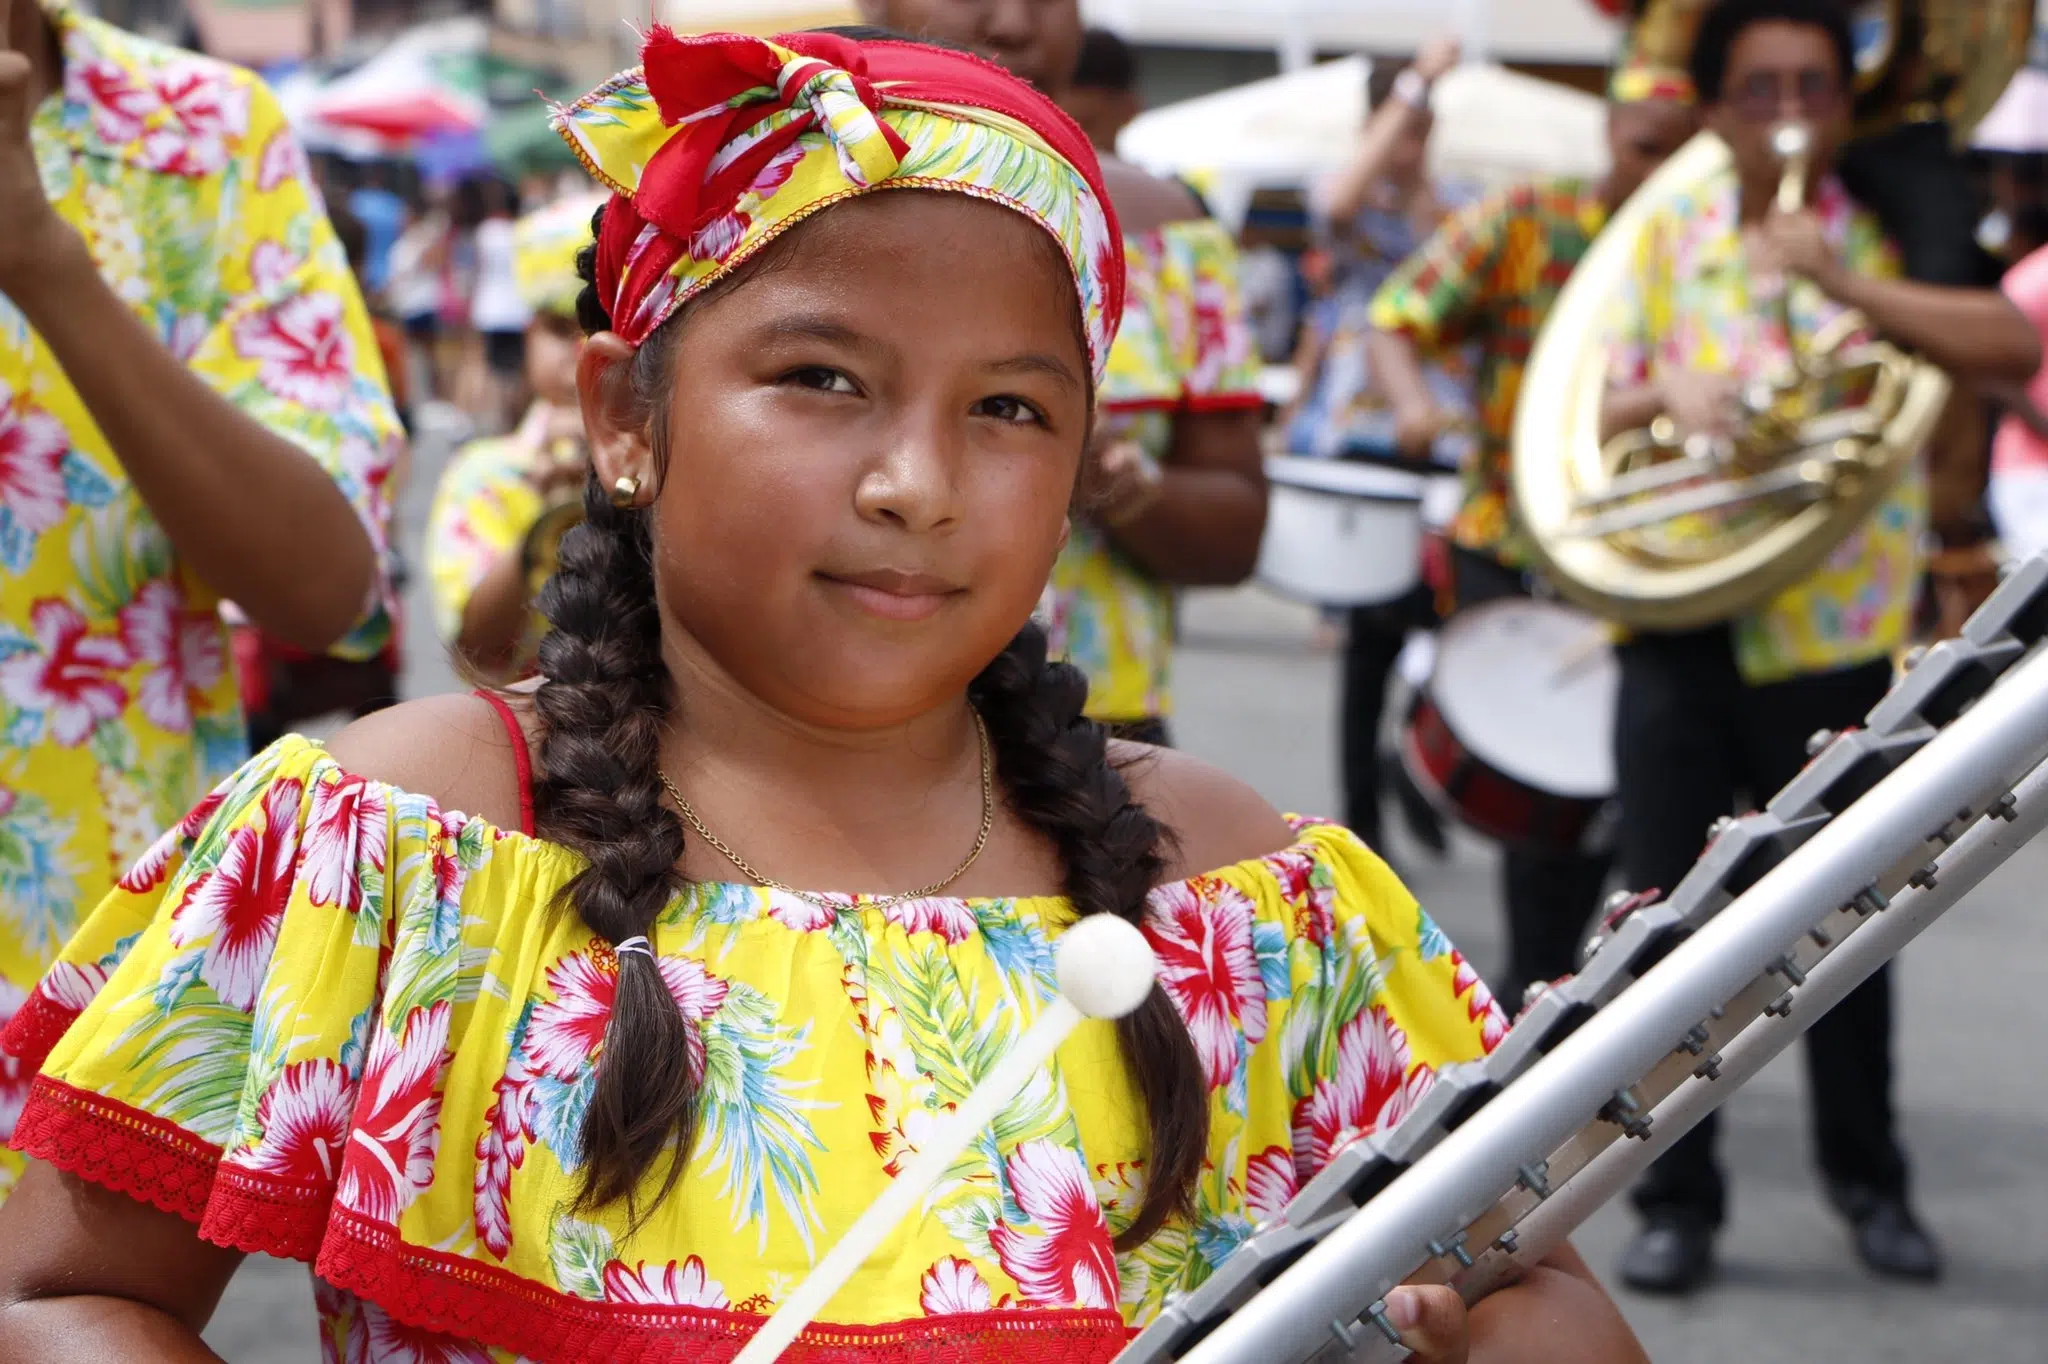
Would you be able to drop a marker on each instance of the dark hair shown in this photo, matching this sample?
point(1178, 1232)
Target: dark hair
point(604, 696)
point(1379, 80)
point(1106, 62)
point(350, 232)
point(1728, 19)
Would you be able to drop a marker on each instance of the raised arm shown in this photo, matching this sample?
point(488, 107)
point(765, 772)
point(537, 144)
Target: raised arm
point(254, 513)
point(1344, 193)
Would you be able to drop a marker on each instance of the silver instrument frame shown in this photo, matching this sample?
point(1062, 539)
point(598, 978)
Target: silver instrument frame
point(1678, 1003)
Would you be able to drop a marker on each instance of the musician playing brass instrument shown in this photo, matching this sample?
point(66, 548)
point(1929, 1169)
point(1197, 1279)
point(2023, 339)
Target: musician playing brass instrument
point(503, 503)
point(1732, 282)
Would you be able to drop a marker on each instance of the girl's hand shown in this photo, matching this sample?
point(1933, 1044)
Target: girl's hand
point(1432, 1322)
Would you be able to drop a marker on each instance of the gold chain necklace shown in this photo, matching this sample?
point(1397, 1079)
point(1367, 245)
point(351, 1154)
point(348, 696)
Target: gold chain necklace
point(988, 813)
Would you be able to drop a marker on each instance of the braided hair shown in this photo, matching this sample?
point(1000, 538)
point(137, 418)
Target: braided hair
point(604, 696)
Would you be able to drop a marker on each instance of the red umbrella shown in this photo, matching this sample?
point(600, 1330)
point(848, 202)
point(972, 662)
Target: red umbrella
point(414, 115)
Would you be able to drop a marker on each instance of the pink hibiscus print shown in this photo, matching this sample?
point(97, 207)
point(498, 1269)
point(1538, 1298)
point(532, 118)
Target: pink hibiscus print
point(272, 265)
point(303, 348)
point(150, 869)
point(32, 448)
point(1271, 1181)
point(235, 909)
point(1314, 906)
point(501, 1149)
point(952, 920)
point(566, 1031)
point(1068, 1262)
point(1479, 1002)
point(283, 159)
point(394, 1342)
point(670, 1285)
point(717, 238)
point(1202, 932)
point(69, 676)
point(119, 102)
point(801, 915)
point(953, 1287)
point(180, 649)
point(209, 115)
point(1372, 1090)
point(305, 1118)
point(345, 832)
point(397, 1127)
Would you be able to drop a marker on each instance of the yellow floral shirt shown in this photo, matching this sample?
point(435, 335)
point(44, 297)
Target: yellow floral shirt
point(326, 1019)
point(1184, 346)
point(1690, 305)
point(118, 703)
point(484, 506)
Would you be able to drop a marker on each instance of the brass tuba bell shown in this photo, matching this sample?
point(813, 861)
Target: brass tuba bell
point(1655, 530)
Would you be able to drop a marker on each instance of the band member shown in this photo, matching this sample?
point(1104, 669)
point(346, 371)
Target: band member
point(1102, 94)
point(544, 1096)
point(1713, 715)
point(191, 408)
point(1373, 214)
point(1487, 280)
point(480, 547)
point(1176, 495)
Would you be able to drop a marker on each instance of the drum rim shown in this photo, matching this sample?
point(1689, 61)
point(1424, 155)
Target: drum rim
point(1328, 476)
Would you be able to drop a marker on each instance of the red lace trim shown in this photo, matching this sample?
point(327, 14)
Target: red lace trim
point(159, 1163)
point(470, 1301)
point(118, 1147)
point(36, 1028)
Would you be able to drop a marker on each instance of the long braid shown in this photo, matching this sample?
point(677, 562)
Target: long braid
point(604, 698)
point(1055, 768)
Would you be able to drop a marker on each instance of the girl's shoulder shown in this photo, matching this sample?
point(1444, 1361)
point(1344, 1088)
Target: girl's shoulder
point(456, 750)
point(1216, 819)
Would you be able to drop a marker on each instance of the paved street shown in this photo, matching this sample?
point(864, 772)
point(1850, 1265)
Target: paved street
point(1256, 698)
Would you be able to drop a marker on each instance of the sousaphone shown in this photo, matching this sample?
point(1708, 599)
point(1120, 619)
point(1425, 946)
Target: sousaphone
point(1659, 532)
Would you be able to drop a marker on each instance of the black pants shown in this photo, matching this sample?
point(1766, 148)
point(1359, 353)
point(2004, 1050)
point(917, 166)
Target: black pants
point(1692, 739)
point(1549, 898)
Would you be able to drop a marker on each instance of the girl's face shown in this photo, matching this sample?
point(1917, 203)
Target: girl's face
point(872, 443)
point(552, 344)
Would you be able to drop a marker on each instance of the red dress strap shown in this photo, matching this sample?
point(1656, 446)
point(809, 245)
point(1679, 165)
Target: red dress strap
point(519, 755)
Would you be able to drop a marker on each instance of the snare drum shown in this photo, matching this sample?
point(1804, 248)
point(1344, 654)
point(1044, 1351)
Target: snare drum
point(1513, 733)
point(1341, 532)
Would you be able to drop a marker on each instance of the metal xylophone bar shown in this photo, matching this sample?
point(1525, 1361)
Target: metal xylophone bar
point(1938, 687)
point(1960, 870)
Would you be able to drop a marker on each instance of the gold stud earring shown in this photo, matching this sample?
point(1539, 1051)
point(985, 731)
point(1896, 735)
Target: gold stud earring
point(625, 490)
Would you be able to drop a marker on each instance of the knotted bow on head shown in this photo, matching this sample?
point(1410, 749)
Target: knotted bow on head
point(720, 142)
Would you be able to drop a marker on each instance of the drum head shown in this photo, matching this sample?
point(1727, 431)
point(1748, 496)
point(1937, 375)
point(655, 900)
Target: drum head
point(1529, 687)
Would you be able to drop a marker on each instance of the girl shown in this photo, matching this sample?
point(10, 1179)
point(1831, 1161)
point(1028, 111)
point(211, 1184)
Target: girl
point(582, 1075)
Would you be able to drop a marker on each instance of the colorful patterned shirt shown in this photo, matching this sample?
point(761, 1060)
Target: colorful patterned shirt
point(118, 704)
point(1488, 277)
point(328, 1020)
point(1184, 347)
point(1689, 303)
point(484, 506)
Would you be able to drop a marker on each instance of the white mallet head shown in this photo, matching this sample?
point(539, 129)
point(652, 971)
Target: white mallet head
point(1105, 966)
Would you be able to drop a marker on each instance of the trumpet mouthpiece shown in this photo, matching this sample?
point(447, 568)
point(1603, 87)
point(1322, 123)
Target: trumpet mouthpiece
point(1790, 141)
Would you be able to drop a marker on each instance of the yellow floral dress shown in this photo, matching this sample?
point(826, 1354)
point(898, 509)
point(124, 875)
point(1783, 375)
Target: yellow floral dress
point(324, 1018)
point(118, 704)
point(1184, 347)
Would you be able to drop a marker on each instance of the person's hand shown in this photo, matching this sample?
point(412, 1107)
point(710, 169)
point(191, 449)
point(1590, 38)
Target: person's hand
point(1793, 243)
point(1437, 58)
point(1432, 1322)
point(30, 230)
point(1123, 482)
point(1700, 404)
point(562, 464)
point(1962, 579)
point(1416, 427)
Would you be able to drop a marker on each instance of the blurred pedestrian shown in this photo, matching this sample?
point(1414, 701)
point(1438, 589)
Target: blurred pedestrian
point(1102, 96)
point(497, 314)
point(2019, 452)
point(191, 408)
point(1487, 279)
point(483, 560)
point(382, 214)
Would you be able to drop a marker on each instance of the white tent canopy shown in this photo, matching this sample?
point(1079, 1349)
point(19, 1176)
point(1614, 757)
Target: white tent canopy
point(1493, 125)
